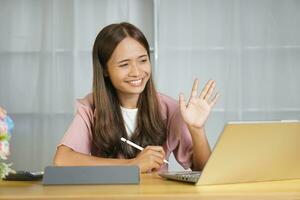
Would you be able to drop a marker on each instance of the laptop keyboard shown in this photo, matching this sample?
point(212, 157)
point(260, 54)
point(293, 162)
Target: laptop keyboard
point(187, 176)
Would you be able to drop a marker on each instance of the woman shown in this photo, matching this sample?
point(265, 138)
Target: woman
point(124, 103)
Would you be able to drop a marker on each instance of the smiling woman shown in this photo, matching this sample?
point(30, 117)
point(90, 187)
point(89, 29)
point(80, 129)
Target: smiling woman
point(122, 72)
point(124, 98)
point(130, 71)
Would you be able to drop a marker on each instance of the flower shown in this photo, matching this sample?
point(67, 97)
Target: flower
point(5, 169)
point(4, 149)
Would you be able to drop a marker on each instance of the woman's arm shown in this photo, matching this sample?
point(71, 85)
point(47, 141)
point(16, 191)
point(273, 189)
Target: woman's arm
point(151, 158)
point(66, 156)
point(201, 148)
point(195, 114)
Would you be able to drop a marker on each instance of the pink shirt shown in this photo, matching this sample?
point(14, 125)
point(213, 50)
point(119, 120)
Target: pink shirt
point(79, 134)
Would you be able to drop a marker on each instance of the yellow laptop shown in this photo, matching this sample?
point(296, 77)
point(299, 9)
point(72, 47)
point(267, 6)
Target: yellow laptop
point(250, 152)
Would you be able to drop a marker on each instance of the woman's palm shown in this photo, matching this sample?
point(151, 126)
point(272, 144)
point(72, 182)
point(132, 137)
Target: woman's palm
point(196, 111)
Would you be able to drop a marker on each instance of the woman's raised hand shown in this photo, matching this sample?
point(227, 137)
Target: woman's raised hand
point(196, 111)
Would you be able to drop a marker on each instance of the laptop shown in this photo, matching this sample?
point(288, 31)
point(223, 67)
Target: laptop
point(250, 152)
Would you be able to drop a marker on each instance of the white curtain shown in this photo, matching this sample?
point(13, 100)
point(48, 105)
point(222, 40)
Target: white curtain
point(250, 47)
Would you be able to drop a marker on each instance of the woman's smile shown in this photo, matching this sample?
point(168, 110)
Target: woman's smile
point(136, 82)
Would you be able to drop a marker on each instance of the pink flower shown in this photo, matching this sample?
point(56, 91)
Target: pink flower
point(3, 127)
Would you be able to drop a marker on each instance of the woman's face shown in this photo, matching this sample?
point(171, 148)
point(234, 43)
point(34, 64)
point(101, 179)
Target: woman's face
point(129, 68)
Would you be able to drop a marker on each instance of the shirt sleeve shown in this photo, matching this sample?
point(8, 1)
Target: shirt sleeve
point(179, 140)
point(79, 134)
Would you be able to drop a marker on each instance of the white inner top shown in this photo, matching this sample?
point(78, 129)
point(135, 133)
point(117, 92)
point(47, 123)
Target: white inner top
point(129, 116)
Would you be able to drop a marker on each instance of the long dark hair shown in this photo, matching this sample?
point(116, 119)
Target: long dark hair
point(108, 125)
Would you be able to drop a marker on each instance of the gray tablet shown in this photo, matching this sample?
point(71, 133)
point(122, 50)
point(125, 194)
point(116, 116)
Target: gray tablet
point(76, 175)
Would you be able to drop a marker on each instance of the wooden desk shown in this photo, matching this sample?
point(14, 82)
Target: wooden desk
point(152, 187)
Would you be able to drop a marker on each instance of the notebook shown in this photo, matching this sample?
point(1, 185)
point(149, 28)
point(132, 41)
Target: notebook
point(250, 152)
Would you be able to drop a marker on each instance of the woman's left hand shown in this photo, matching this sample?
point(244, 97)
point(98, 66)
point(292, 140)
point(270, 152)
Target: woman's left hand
point(198, 108)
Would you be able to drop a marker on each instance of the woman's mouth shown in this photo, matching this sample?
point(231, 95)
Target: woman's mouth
point(136, 83)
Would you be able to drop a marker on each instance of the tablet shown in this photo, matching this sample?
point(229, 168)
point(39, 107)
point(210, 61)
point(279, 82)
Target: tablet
point(82, 175)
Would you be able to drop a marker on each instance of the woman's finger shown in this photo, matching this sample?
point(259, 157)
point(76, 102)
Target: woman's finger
point(158, 154)
point(214, 99)
point(158, 160)
point(195, 88)
point(157, 151)
point(210, 90)
point(205, 89)
point(155, 148)
point(182, 103)
point(156, 166)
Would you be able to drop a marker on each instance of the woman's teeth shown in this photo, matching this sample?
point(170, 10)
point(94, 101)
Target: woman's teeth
point(136, 83)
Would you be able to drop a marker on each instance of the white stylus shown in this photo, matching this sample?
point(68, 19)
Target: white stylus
point(137, 146)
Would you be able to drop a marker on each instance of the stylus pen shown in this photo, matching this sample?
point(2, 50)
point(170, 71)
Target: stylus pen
point(136, 146)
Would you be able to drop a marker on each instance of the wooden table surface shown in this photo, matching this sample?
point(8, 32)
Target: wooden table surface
point(152, 187)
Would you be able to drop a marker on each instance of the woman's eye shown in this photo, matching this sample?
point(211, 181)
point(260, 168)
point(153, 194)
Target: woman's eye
point(143, 61)
point(124, 65)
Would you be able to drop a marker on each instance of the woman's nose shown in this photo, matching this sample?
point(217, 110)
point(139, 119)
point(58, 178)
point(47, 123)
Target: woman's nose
point(134, 69)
